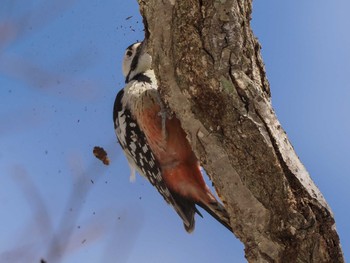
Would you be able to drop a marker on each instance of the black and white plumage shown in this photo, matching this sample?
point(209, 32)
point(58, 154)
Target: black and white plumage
point(156, 145)
point(131, 138)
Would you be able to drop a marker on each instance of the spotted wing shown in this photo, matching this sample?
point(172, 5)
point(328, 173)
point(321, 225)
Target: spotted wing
point(140, 156)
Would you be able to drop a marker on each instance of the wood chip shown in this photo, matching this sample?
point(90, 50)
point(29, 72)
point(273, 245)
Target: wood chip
point(101, 154)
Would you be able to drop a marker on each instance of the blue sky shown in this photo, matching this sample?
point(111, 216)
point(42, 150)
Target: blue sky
point(60, 69)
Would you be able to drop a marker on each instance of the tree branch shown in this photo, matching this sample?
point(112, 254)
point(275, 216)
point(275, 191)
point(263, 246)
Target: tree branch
point(211, 74)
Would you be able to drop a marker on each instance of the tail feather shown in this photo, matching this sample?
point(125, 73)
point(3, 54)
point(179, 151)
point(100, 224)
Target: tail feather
point(218, 211)
point(186, 210)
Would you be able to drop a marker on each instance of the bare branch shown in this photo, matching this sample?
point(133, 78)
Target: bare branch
point(211, 75)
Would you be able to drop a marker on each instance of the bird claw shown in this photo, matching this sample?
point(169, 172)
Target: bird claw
point(163, 114)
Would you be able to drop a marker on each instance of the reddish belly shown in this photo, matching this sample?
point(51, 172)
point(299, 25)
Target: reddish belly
point(179, 165)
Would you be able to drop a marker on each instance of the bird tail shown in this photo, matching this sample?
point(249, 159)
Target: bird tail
point(186, 210)
point(218, 211)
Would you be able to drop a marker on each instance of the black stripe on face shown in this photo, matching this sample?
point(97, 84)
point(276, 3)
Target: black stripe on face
point(142, 78)
point(135, 60)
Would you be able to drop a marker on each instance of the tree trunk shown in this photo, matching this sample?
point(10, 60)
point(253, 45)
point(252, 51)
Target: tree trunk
point(210, 72)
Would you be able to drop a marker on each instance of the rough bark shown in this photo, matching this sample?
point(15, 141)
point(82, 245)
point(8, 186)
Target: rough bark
point(211, 74)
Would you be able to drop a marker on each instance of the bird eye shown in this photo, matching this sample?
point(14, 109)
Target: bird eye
point(129, 53)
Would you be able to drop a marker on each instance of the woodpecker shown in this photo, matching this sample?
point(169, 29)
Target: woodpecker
point(155, 144)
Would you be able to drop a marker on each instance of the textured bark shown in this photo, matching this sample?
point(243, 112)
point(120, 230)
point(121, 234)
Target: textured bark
point(211, 74)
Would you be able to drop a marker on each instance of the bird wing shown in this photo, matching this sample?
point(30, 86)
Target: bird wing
point(140, 156)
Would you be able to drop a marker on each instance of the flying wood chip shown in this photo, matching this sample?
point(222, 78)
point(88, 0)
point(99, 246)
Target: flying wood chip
point(101, 154)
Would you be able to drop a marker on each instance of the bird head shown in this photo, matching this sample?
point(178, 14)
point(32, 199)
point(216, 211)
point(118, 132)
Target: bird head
point(136, 60)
